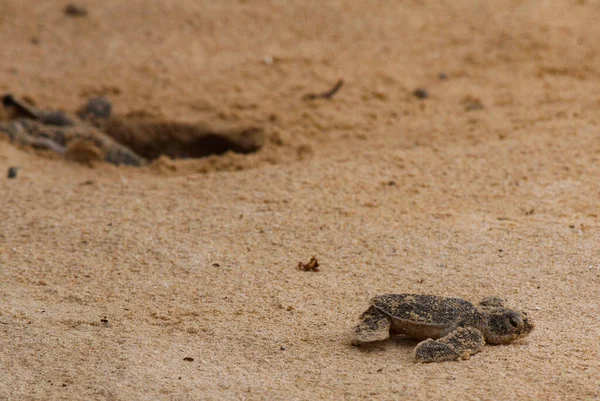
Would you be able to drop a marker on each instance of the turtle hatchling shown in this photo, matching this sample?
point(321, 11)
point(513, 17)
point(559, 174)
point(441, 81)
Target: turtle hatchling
point(449, 328)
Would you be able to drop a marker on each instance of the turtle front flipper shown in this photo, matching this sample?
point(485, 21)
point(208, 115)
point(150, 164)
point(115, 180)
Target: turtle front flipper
point(374, 326)
point(459, 344)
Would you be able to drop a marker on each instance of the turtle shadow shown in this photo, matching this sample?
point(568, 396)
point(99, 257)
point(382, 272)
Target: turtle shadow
point(394, 341)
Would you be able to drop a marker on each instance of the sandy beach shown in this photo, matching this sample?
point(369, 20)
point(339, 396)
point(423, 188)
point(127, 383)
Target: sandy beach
point(178, 280)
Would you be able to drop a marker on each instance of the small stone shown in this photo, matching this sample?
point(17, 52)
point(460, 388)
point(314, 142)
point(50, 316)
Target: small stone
point(12, 172)
point(188, 359)
point(421, 93)
point(74, 10)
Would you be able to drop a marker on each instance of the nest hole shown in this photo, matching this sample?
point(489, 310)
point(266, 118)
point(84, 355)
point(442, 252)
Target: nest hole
point(152, 138)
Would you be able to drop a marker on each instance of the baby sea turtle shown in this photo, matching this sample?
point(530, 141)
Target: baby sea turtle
point(94, 134)
point(78, 139)
point(451, 328)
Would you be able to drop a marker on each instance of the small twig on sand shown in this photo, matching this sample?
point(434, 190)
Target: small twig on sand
point(325, 95)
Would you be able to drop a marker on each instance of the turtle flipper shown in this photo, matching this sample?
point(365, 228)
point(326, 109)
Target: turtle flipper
point(492, 302)
point(459, 344)
point(374, 326)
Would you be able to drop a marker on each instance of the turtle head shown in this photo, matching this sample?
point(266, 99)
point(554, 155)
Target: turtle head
point(503, 325)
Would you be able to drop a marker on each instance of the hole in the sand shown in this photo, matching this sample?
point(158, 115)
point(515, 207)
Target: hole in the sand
point(152, 138)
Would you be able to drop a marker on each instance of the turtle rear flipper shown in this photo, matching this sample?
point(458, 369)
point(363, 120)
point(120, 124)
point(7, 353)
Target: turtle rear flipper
point(374, 326)
point(459, 344)
point(492, 302)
